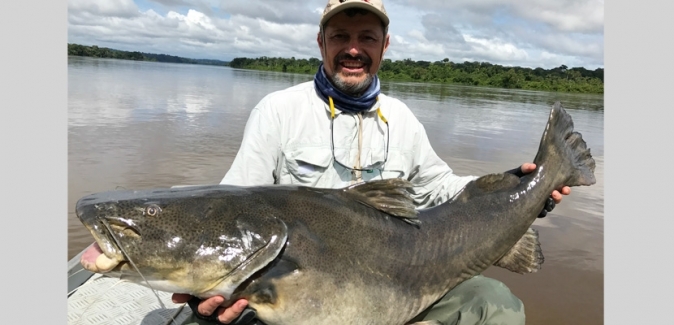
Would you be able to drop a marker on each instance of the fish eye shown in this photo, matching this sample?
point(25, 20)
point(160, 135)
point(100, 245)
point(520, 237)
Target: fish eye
point(152, 210)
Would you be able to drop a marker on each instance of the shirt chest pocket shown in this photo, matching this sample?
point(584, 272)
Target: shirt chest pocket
point(306, 166)
point(395, 167)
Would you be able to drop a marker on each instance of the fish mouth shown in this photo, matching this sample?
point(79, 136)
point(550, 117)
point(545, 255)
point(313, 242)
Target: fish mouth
point(94, 259)
point(104, 255)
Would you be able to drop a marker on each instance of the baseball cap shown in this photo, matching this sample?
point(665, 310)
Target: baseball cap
point(336, 6)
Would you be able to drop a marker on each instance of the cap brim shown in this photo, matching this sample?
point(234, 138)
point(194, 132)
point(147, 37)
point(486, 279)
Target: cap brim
point(355, 4)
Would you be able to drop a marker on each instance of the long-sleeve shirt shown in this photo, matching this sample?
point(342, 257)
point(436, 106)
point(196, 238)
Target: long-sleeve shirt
point(288, 140)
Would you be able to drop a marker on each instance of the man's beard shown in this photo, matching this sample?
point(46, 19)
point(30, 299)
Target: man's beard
point(353, 90)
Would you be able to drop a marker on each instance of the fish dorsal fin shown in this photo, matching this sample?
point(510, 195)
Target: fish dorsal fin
point(390, 196)
point(525, 257)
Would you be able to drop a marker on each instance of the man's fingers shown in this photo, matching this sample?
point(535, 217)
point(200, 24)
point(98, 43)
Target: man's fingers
point(557, 195)
point(208, 306)
point(229, 314)
point(528, 167)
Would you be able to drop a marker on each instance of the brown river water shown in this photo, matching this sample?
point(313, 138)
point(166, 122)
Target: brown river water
point(134, 125)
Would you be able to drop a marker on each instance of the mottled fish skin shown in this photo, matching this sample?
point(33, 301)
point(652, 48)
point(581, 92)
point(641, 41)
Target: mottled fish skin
point(334, 256)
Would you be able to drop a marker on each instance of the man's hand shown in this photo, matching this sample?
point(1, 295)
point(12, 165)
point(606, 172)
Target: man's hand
point(556, 194)
point(554, 198)
point(213, 304)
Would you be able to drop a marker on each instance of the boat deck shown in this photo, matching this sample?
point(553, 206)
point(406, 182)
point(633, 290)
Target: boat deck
point(101, 300)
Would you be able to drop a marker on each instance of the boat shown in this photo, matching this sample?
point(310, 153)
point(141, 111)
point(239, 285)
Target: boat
point(102, 300)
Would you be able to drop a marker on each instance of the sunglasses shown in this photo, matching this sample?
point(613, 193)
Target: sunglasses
point(371, 168)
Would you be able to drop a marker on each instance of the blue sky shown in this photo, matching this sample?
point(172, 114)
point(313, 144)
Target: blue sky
point(528, 33)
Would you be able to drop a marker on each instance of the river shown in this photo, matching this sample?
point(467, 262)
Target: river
point(139, 125)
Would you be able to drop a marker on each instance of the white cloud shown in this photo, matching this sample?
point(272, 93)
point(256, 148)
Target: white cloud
point(565, 15)
point(504, 32)
point(496, 49)
point(416, 43)
point(105, 8)
point(568, 15)
point(282, 12)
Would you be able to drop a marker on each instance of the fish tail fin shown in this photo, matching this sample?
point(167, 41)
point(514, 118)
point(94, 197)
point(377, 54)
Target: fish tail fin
point(525, 257)
point(561, 143)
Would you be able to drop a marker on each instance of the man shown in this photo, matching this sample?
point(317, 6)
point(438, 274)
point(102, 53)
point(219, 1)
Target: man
point(339, 130)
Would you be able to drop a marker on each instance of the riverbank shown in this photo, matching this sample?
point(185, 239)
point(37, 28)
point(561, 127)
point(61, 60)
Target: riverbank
point(483, 74)
point(561, 79)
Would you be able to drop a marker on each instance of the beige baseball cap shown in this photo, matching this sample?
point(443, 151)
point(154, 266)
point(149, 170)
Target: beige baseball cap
point(336, 6)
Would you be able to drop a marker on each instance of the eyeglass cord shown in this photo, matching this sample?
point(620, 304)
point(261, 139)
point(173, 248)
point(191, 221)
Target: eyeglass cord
point(332, 118)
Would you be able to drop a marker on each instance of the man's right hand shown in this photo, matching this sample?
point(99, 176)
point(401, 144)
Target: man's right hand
point(213, 304)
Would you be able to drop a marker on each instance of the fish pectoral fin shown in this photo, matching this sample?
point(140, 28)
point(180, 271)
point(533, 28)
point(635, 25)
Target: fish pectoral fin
point(390, 196)
point(525, 257)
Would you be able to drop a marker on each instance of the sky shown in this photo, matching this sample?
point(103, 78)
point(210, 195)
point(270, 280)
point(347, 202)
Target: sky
point(525, 33)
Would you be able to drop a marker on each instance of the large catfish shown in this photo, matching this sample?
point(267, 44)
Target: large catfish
point(357, 255)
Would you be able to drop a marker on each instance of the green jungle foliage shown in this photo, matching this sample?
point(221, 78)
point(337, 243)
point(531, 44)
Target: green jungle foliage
point(563, 79)
point(104, 52)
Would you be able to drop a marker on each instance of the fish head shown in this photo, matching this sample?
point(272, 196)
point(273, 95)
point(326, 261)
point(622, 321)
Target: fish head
point(197, 240)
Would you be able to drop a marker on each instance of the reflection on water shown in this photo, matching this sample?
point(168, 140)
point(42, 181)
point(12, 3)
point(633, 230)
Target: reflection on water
point(145, 124)
point(468, 95)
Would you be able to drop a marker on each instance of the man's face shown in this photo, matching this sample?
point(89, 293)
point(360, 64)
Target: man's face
point(353, 51)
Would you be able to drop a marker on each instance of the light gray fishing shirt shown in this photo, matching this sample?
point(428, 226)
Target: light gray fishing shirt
point(287, 140)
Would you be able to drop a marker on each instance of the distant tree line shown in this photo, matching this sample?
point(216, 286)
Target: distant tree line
point(562, 78)
point(104, 52)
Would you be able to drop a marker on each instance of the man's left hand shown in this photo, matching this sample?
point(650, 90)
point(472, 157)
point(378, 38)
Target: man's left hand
point(556, 194)
point(554, 198)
